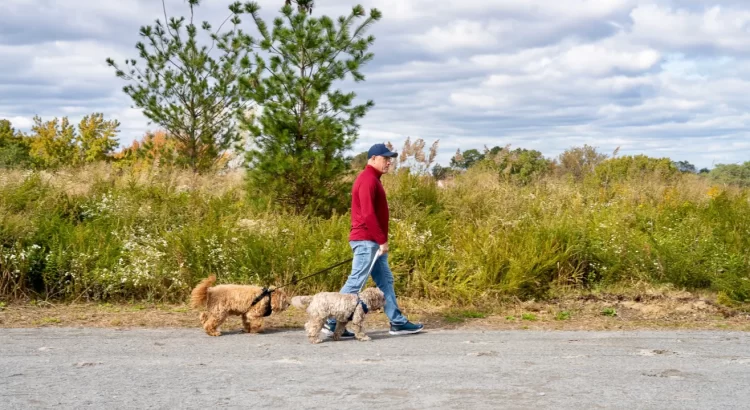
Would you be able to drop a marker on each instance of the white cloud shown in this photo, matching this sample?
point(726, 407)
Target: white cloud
point(56, 61)
point(533, 9)
point(717, 27)
point(661, 77)
point(476, 100)
point(599, 59)
point(20, 122)
point(573, 57)
point(464, 34)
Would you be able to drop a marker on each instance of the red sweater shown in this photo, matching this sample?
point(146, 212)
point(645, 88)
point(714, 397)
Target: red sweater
point(369, 208)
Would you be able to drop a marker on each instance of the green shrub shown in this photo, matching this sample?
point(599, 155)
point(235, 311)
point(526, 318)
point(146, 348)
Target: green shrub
point(154, 236)
point(731, 174)
point(634, 168)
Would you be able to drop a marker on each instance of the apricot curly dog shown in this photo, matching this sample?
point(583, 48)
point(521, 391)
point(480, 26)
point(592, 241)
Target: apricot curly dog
point(223, 300)
point(342, 307)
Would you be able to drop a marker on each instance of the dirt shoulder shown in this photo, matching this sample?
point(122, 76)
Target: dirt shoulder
point(654, 310)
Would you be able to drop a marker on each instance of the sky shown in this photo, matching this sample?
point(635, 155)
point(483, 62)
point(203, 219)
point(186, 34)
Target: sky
point(664, 78)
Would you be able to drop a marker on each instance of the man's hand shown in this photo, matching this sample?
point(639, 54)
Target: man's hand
point(384, 248)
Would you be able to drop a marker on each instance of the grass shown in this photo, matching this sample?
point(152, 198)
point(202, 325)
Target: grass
point(47, 321)
point(472, 314)
point(611, 312)
point(103, 234)
point(564, 315)
point(461, 316)
point(665, 310)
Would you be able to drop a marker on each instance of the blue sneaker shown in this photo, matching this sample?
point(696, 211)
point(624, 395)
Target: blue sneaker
point(406, 329)
point(328, 331)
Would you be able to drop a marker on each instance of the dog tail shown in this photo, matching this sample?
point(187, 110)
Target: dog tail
point(200, 292)
point(301, 302)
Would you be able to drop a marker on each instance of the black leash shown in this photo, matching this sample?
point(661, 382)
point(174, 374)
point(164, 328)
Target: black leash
point(267, 292)
point(294, 282)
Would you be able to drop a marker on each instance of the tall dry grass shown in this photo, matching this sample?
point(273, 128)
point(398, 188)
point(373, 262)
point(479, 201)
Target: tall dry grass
point(104, 232)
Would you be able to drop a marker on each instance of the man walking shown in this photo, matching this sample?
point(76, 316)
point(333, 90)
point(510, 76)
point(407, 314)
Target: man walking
point(368, 235)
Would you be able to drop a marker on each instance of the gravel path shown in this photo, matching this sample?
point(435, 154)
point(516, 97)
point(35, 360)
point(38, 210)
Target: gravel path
point(183, 368)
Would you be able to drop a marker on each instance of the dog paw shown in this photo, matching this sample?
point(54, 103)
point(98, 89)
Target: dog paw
point(315, 341)
point(214, 333)
point(364, 339)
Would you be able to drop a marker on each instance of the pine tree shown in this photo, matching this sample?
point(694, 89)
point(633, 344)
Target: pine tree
point(302, 5)
point(185, 89)
point(306, 125)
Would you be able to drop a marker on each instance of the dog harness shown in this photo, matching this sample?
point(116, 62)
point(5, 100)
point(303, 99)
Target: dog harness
point(364, 308)
point(262, 295)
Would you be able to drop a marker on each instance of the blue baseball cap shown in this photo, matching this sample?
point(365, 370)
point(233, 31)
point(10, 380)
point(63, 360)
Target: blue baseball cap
point(380, 150)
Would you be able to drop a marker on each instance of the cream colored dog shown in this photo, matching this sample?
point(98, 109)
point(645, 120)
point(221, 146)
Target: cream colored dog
point(223, 300)
point(344, 308)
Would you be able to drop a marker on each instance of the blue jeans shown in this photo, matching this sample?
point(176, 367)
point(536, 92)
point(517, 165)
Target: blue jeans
point(364, 252)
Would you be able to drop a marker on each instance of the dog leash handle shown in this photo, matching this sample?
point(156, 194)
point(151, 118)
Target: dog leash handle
point(372, 266)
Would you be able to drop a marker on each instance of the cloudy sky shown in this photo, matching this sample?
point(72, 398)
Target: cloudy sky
point(658, 77)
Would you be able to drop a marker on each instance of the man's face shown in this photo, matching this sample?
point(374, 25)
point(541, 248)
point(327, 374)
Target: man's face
point(381, 163)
